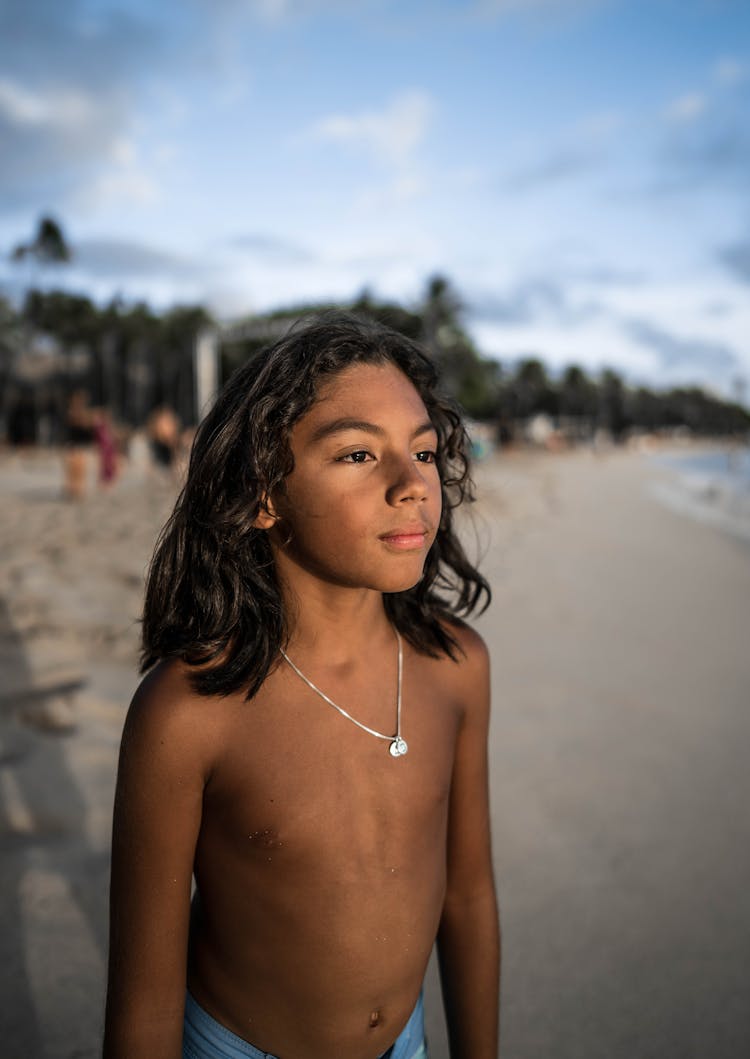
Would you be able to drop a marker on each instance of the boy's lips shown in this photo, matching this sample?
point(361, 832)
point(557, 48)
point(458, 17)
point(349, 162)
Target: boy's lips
point(406, 537)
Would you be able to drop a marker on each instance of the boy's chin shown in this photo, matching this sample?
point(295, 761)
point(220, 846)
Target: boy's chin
point(401, 584)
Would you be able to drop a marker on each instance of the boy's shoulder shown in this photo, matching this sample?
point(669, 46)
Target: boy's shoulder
point(166, 688)
point(472, 650)
point(166, 709)
point(465, 676)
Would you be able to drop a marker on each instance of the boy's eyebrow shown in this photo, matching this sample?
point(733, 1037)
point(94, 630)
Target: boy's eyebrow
point(336, 426)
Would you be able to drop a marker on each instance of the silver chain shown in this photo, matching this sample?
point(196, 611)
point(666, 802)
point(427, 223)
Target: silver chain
point(398, 745)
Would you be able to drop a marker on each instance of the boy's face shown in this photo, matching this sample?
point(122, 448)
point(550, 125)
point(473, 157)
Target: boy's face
point(362, 506)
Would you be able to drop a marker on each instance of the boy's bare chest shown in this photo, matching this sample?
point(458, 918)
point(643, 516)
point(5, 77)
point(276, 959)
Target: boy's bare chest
point(297, 780)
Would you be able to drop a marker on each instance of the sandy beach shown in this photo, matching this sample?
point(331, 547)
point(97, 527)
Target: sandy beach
point(621, 683)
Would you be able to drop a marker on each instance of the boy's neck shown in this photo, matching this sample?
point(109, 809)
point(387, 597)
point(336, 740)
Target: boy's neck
point(337, 622)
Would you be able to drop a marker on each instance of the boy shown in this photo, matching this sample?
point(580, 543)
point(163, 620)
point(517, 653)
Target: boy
point(312, 740)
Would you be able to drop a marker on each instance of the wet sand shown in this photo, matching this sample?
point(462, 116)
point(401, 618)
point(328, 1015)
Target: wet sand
point(621, 682)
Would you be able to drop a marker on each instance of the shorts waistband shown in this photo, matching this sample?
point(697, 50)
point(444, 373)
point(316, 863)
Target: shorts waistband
point(205, 1038)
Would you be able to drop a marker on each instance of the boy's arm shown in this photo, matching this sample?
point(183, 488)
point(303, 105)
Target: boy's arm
point(156, 822)
point(469, 936)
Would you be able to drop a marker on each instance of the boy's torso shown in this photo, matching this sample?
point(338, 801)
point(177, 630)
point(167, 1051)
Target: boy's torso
point(320, 863)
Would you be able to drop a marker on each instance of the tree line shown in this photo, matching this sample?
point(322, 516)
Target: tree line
point(508, 395)
point(131, 359)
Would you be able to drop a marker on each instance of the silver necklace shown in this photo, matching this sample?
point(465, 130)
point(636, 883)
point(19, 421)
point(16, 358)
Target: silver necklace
point(398, 746)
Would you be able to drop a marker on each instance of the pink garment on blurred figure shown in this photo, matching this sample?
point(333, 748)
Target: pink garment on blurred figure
point(105, 441)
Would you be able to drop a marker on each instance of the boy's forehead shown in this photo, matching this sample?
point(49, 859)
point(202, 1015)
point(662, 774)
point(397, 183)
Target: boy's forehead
point(363, 389)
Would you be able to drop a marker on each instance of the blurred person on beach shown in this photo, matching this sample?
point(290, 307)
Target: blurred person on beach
point(80, 436)
point(164, 437)
point(310, 740)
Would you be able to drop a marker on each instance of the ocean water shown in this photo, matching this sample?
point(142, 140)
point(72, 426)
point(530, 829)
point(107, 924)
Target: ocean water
point(711, 486)
point(732, 465)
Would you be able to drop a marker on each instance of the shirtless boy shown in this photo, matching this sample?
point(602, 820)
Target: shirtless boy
point(310, 740)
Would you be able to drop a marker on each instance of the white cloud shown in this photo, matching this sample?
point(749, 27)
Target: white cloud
point(658, 334)
point(577, 151)
point(122, 151)
point(273, 11)
point(403, 189)
point(730, 71)
point(20, 106)
point(593, 346)
point(686, 108)
point(391, 266)
point(390, 138)
point(69, 95)
point(128, 185)
point(23, 107)
point(600, 126)
point(124, 177)
point(510, 7)
point(125, 258)
point(82, 137)
point(392, 134)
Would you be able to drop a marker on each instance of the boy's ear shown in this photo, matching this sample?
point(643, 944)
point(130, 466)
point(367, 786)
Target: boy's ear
point(267, 516)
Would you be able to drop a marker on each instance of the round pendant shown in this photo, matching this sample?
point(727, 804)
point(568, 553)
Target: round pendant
point(398, 747)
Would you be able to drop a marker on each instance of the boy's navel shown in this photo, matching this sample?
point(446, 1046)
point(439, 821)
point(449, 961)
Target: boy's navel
point(374, 1018)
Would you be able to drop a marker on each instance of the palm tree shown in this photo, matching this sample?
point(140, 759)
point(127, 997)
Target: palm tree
point(612, 412)
point(441, 311)
point(533, 390)
point(473, 380)
point(578, 401)
point(48, 247)
point(11, 342)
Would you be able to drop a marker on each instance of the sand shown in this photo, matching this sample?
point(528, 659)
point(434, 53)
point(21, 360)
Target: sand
point(621, 683)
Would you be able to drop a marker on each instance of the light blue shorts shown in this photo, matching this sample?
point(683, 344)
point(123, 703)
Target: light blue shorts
point(205, 1038)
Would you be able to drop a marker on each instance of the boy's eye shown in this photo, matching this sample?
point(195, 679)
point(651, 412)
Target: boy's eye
point(427, 456)
point(360, 456)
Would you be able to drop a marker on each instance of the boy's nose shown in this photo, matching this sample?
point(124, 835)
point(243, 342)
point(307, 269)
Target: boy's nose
point(409, 483)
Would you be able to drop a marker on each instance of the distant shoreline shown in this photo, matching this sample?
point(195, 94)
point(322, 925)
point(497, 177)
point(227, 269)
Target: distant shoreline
point(710, 484)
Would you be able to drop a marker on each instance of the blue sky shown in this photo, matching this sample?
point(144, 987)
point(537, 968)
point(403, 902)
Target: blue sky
point(579, 169)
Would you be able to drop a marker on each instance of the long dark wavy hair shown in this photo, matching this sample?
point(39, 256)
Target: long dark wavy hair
point(212, 595)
